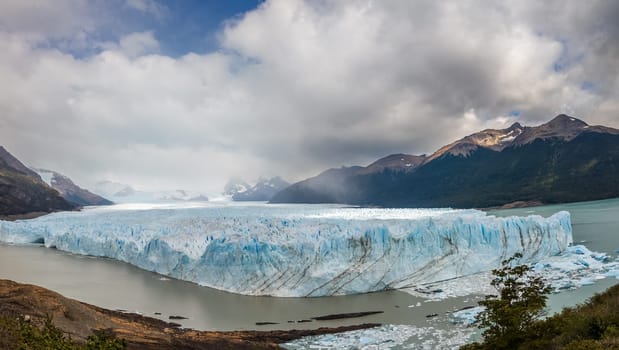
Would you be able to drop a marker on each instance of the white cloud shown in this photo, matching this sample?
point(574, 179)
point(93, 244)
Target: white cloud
point(134, 44)
point(300, 86)
point(147, 6)
point(45, 19)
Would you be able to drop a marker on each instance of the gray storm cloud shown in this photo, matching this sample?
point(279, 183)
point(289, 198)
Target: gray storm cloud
point(295, 87)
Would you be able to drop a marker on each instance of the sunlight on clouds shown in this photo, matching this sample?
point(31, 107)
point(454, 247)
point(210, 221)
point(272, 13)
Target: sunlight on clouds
point(296, 86)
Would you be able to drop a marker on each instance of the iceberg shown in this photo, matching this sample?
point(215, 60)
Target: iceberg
point(573, 268)
point(467, 316)
point(295, 250)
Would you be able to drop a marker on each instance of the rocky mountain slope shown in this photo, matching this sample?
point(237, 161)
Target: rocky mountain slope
point(111, 189)
point(564, 160)
point(235, 185)
point(334, 185)
point(263, 190)
point(69, 190)
point(23, 191)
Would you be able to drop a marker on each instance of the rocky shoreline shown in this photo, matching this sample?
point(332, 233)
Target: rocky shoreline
point(516, 205)
point(79, 320)
point(27, 216)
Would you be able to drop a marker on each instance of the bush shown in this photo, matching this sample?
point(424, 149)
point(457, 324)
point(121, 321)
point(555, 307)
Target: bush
point(511, 320)
point(17, 333)
point(105, 340)
point(586, 344)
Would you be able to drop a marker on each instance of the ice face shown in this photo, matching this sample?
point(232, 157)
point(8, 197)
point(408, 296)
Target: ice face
point(299, 250)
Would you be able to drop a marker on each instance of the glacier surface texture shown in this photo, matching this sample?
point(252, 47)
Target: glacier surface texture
point(298, 251)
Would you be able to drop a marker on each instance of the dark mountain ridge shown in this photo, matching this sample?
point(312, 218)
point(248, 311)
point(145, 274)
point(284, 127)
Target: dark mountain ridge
point(564, 160)
point(23, 191)
point(72, 192)
point(263, 190)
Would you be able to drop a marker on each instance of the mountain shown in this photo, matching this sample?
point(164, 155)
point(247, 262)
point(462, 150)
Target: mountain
point(564, 160)
point(69, 190)
point(493, 139)
point(395, 162)
point(235, 185)
point(23, 191)
point(334, 185)
point(180, 196)
point(122, 193)
point(263, 190)
point(111, 189)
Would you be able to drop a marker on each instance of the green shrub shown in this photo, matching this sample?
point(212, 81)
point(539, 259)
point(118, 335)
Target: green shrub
point(511, 320)
point(17, 333)
point(586, 344)
point(105, 340)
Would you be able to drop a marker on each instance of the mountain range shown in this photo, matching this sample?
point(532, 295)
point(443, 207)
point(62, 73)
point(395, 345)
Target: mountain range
point(123, 193)
point(263, 190)
point(564, 160)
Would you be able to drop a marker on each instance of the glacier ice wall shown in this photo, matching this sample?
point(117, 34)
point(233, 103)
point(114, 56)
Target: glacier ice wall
point(299, 250)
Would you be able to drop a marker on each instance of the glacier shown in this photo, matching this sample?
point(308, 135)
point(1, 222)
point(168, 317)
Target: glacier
point(298, 250)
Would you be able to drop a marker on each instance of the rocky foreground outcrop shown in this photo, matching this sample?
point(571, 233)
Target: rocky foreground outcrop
point(79, 320)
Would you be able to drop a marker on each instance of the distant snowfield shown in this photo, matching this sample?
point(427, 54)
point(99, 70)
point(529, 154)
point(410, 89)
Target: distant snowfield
point(46, 176)
point(310, 250)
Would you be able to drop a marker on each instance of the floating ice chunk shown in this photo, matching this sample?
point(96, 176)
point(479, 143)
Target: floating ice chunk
point(612, 273)
point(577, 249)
point(468, 315)
point(388, 337)
point(568, 270)
point(585, 282)
point(576, 267)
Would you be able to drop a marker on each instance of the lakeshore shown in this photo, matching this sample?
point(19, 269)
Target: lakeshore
point(79, 320)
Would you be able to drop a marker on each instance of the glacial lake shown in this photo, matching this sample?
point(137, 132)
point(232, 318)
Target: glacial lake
point(119, 286)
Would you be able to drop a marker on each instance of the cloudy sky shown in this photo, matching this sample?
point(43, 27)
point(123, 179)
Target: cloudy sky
point(185, 94)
